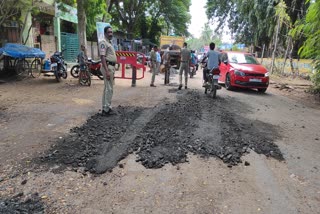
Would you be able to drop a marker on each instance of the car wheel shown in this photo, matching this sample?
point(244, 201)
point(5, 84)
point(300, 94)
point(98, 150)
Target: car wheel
point(228, 82)
point(262, 90)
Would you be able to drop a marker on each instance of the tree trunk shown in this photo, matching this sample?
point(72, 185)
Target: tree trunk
point(82, 22)
point(275, 45)
point(286, 54)
point(23, 27)
point(264, 45)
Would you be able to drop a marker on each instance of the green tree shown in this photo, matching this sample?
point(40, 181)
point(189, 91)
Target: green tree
point(11, 9)
point(310, 28)
point(170, 15)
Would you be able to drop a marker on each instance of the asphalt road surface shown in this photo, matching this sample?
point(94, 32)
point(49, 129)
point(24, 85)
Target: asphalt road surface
point(165, 151)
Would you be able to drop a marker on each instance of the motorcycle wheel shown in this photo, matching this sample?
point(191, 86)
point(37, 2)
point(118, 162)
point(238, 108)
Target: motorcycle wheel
point(89, 81)
point(57, 75)
point(64, 75)
point(213, 91)
point(75, 71)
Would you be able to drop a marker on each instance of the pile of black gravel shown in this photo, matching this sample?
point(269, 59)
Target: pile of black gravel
point(32, 204)
point(166, 134)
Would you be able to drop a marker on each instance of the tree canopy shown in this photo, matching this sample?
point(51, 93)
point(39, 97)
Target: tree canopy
point(310, 28)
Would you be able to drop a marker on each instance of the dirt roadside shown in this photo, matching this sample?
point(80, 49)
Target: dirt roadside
point(38, 113)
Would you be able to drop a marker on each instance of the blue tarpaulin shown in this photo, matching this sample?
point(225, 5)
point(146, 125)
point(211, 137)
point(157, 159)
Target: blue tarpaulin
point(21, 51)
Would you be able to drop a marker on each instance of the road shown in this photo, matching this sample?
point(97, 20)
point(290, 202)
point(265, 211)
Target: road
point(166, 151)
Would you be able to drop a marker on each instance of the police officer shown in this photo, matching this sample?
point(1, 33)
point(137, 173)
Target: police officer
point(184, 65)
point(153, 58)
point(108, 60)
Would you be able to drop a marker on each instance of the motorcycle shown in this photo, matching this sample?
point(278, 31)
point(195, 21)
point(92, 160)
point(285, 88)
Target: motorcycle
point(56, 65)
point(193, 66)
point(212, 80)
point(193, 70)
point(93, 66)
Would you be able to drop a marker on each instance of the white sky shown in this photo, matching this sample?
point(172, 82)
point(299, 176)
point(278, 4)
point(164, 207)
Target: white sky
point(199, 18)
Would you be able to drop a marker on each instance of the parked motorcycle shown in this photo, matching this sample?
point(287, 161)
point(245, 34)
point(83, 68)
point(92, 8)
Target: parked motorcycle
point(56, 65)
point(93, 66)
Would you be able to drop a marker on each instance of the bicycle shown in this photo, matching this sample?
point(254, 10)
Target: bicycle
point(21, 67)
point(35, 68)
point(84, 76)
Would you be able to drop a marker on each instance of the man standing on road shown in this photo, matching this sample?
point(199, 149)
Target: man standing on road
point(153, 58)
point(184, 65)
point(166, 61)
point(82, 60)
point(158, 62)
point(213, 61)
point(108, 60)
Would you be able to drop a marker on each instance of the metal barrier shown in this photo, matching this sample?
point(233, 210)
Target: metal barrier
point(131, 58)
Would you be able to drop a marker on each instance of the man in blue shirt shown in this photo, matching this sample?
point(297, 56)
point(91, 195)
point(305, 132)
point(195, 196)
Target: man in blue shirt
point(213, 61)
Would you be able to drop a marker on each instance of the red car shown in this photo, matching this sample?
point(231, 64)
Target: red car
point(238, 69)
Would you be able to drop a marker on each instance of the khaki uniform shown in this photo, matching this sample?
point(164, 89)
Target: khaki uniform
point(106, 49)
point(184, 65)
point(153, 58)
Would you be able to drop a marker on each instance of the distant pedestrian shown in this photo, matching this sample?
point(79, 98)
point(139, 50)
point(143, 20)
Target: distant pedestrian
point(83, 61)
point(184, 65)
point(158, 62)
point(153, 58)
point(82, 58)
point(108, 60)
point(166, 61)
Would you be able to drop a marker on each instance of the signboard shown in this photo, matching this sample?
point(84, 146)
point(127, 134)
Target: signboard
point(66, 13)
point(100, 30)
point(172, 40)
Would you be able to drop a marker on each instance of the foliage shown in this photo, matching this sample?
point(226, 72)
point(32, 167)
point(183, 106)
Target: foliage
point(310, 27)
point(207, 36)
point(251, 21)
point(155, 17)
point(11, 9)
point(95, 10)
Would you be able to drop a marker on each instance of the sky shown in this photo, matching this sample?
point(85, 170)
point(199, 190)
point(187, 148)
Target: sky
point(199, 18)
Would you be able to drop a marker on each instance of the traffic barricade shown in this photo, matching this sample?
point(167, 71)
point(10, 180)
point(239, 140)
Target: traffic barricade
point(136, 60)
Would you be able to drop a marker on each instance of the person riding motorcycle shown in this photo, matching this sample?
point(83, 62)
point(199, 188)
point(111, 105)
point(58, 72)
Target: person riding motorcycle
point(213, 62)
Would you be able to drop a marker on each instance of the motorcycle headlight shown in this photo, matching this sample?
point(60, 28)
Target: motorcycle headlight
point(266, 74)
point(239, 73)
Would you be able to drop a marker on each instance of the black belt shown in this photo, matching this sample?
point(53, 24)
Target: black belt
point(111, 63)
point(184, 61)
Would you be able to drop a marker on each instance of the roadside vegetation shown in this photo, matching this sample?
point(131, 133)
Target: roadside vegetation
point(273, 28)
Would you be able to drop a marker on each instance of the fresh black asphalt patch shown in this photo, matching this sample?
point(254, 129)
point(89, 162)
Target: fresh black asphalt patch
point(16, 204)
point(195, 124)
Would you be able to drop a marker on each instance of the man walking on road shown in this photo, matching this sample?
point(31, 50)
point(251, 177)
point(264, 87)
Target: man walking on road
point(184, 65)
point(108, 60)
point(153, 58)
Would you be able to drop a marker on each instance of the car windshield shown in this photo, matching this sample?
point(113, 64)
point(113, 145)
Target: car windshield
point(242, 58)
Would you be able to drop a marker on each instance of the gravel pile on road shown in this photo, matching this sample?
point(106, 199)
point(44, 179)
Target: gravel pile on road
point(166, 134)
point(16, 205)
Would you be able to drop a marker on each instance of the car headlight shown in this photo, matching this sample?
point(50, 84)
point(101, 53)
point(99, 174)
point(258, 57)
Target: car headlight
point(266, 74)
point(239, 73)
